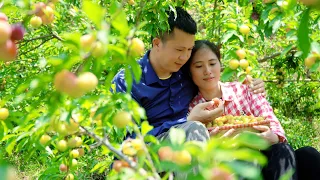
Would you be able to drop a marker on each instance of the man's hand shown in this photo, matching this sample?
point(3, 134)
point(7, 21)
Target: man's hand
point(201, 113)
point(256, 85)
point(267, 134)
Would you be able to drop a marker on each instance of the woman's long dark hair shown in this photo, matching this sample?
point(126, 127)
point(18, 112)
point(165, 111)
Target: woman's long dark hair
point(199, 44)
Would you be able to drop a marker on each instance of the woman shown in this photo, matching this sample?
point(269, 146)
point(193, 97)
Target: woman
point(205, 68)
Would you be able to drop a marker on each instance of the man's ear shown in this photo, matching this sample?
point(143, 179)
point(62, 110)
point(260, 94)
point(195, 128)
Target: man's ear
point(156, 42)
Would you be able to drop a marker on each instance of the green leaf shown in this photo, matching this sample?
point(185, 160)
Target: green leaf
point(97, 166)
point(241, 38)
point(251, 140)
point(129, 79)
point(119, 19)
point(242, 77)
point(315, 66)
point(286, 50)
point(10, 146)
point(227, 36)
point(145, 128)
point(245, 170)
point(303, 34)
point(94, 11)
point(315, 47)
point(227, 74)
point(194, 147)
point(276, 25)
point(268, 30)
point(177, 136)
point(151, 139)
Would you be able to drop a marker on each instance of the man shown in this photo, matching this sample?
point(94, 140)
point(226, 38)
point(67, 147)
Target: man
point(164, 90)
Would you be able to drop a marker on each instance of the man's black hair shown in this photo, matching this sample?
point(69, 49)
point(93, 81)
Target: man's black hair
point(180, 19)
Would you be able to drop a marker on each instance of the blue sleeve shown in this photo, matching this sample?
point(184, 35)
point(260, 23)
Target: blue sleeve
point(120, 83)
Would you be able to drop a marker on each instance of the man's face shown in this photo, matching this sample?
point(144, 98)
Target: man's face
point(175, 51)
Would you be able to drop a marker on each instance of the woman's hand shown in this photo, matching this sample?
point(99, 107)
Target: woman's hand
point(201, 112)
point(267, 134)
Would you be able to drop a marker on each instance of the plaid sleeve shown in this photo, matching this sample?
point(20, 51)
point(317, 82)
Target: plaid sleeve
point(196, 100)
point(261, 107)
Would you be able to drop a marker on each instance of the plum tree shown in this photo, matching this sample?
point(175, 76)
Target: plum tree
point(8, 51)
point(244, 29)
point(35, 22)
point(63, 167)
point(234, 64)
point(165, 153)
point(98, 49)
point(244, 63)
point(62, 145)
point(122, 119)
point(86, 41)
point(17, 32)
point(69, 177)
point(4, 113)
point(241, 53)
point(38, 8)
point(74, 153)
point(182, 157)
point(5, 32)
point(309, 61)
point(81, 151)
point(3, 17)
point(44, 139)
point(74, 163)
point(136, 47)
point(87, 82)
point(66, 82)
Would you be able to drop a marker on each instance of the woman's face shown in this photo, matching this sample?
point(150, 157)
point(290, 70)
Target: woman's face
point(205, 69)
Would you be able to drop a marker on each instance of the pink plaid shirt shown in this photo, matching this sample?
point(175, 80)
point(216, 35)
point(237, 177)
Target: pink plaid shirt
point(240, 101)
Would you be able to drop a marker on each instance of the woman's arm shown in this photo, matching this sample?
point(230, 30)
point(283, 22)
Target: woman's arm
point(261, 107)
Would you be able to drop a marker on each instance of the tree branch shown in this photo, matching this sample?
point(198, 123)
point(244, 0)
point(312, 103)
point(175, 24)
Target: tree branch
point(44, 41)
point(266, 58)
point(106, 143)
point(294, 80)
point(36, 38)
point(153, 169)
